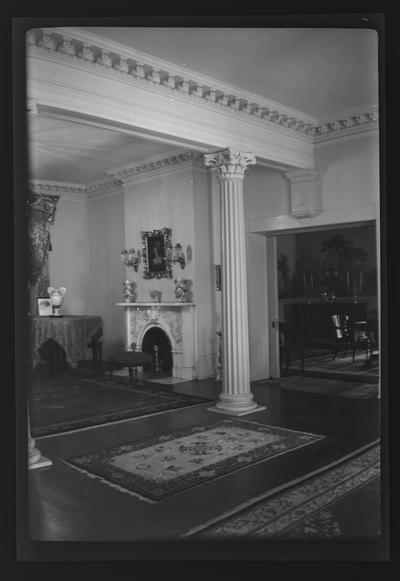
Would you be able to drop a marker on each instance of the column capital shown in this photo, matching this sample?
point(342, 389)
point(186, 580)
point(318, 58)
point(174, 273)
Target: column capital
point(229, 163)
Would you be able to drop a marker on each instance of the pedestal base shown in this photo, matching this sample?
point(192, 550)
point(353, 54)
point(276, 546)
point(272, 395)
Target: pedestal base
point(233, 412)
point(41, 463)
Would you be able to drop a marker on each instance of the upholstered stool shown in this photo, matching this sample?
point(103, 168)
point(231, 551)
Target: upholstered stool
point(128, 359)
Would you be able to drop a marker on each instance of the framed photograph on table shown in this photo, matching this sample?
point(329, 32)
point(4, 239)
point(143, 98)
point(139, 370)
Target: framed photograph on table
point(45, 308)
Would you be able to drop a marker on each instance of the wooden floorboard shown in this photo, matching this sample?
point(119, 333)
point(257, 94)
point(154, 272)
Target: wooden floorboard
point(66, 505)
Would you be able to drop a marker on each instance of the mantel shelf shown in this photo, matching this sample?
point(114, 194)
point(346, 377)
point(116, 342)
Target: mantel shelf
point(156, 304)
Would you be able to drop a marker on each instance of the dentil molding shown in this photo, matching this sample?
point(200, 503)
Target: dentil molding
point(118, 176)
point(110, 58)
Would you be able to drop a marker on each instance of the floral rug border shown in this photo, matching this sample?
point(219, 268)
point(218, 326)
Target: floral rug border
point(276, 512)
point(95, 464)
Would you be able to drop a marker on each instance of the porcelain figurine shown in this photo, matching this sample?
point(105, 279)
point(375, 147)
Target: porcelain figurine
point(129, 293)
point(180, 289)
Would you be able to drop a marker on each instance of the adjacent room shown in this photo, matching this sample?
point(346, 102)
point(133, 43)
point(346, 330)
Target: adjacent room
point(204, 284)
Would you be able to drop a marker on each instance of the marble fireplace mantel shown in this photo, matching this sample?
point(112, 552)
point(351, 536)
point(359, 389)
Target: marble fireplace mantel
point(177, 320)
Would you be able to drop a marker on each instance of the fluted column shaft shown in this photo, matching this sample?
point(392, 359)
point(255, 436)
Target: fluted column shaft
point(236, 397)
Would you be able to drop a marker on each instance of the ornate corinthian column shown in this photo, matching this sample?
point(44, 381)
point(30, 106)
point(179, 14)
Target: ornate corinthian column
point(236, 397)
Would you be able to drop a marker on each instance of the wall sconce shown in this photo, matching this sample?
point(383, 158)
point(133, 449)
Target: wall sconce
point(178, 255)
point(130, 258)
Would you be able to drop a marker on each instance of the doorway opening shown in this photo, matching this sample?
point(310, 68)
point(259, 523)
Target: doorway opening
point(327, 285)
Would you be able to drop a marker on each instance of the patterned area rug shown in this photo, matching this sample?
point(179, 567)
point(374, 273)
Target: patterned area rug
point(152, 378)
point(324, 386)
point(159, 467)
point(323, 363)
point(67, 402)
point(339, 501)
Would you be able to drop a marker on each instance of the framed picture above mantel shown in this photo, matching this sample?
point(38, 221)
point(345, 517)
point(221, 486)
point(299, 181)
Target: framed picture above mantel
point(157, 253)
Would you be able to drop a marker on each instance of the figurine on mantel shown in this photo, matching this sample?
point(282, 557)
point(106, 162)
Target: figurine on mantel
point(129, 293)
point(180, 289)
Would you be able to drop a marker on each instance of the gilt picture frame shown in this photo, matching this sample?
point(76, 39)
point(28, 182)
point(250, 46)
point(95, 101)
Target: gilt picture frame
point(156, 253)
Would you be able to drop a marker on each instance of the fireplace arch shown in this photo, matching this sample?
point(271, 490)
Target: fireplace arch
point(155, 335)
point(177, 320)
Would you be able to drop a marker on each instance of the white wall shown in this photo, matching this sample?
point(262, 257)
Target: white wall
point(350, 172)
point(207, 325)
point(69, 258)
point(265, 192)
point(160, 200)
point(106, 235)
point(178, 199)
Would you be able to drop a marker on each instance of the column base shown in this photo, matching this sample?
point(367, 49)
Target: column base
point(234, 412)
point(41, 463)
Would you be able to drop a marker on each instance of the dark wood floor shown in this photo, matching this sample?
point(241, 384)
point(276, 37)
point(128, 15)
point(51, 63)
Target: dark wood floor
point(65, 505)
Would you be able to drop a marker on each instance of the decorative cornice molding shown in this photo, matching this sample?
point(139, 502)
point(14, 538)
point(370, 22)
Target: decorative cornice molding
point(48, 186)
point(179, 81)
point(117, 175)
point(347, 123)
point(103, 185)
point(79, 48)
point(129, 170)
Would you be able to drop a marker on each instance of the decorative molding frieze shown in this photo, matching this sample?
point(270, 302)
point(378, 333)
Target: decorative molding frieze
point(347, 123)
point(72, 44)
point(103, 185)
point(118, 176)
point(64, 188)
point(83, 51)
point(129, 170)
point(47, 186)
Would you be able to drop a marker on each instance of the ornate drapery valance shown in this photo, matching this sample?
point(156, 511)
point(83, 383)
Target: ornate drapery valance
point(41, 209)
point(41, 214)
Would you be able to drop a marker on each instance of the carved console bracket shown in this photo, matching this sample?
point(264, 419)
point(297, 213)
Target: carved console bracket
point(305, 193)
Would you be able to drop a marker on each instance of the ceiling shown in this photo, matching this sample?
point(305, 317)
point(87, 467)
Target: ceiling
point(316, 71)
point(72, 152)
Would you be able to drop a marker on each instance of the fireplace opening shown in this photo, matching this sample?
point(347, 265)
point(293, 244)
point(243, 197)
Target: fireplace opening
point(162, 356)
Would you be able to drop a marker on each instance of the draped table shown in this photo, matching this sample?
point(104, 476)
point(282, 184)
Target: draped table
point(74, 333)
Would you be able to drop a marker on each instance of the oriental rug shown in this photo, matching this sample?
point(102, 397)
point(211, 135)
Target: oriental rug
point(67, 401)
point(323, 386)
point(337, 501)
point(151, 377)
point(339, 367)
point(159, 467)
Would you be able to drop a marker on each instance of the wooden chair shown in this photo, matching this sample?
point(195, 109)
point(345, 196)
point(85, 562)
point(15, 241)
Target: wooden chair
point(350, 335)
point(288, 345)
